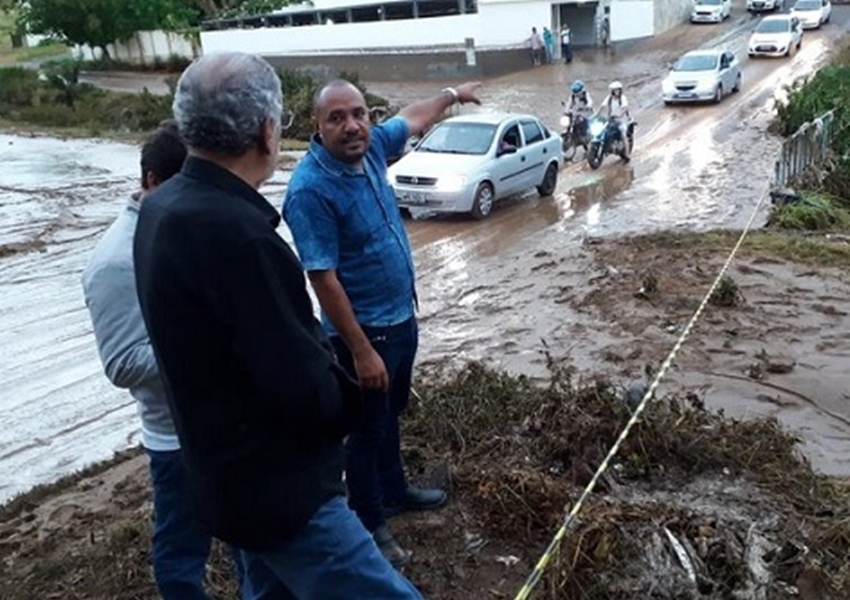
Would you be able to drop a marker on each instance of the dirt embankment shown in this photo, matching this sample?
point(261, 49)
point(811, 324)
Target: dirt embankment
point(696, 505)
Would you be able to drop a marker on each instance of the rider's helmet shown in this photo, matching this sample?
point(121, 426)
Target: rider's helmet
point(577, 87)
point(616, 86)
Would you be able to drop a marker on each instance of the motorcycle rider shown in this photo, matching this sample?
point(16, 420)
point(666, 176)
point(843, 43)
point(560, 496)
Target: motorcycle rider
point(578, 104)
point(618, 108)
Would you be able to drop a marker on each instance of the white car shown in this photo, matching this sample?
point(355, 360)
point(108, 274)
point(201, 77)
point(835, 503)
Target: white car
point(755, 6)
point(468, 162)
point(702, 75)
point(710, 11)
point(776, 35)
point(812, 13)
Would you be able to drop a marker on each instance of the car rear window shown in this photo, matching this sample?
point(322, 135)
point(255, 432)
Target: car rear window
point(531, 131)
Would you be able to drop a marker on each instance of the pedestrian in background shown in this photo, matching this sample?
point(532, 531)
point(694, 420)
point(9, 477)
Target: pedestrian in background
point(345, 221)
point(566, 44)
point(180, 545)
point(549, 44)
point(536, 44)
point(260, 403)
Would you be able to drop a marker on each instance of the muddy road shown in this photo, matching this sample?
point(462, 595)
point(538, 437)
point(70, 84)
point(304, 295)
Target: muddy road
point(483, 290)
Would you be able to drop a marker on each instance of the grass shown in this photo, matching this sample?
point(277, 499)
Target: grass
point(13, 56)
point(796, 246)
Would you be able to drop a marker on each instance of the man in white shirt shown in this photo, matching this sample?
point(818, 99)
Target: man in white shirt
point(566, 44)
point(617, 107)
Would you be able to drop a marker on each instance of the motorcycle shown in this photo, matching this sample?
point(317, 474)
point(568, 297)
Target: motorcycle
point(605, 139)
point(573, 133)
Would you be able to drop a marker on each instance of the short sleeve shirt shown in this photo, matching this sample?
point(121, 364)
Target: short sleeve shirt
point(348, 220)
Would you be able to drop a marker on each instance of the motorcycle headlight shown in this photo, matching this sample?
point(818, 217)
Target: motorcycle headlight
point(565, 120)
point(596, 128)
point(452, 183)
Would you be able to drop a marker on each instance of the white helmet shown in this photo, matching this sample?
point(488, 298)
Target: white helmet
point(615, 85)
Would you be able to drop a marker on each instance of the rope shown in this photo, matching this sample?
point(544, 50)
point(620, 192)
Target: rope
point(535, 576)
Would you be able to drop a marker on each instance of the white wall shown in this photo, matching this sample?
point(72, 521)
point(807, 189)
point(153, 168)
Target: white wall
point(143, 48)
point(509, 23)
point(496, 24)
point(632, 19)
point(341, 37)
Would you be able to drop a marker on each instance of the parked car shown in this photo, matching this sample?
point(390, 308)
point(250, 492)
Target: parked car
point(468, 162)
point(702, 75)
point(755, 6)
point(776, 35)
point(812, 13)
point(710, 11)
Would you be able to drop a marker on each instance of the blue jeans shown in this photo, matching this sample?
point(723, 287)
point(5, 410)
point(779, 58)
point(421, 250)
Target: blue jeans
point(374, 473)
point(334, 558)
point(180, 545)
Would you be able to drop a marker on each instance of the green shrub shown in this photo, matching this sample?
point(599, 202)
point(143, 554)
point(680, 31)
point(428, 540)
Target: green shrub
point(300, 87)
point(18, 86)
point(828, 89)
point(815, 211)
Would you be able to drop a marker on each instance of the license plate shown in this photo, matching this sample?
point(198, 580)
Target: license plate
point(414, 198)
point(686, 95)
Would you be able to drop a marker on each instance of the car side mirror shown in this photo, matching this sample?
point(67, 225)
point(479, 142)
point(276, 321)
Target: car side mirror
point(506, 150)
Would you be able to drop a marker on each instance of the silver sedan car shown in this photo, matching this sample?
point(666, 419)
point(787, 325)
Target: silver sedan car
point(702, 75)
point(466, 163)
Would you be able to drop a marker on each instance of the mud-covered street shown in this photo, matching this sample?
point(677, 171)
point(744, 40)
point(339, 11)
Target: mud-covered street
point(493, 289)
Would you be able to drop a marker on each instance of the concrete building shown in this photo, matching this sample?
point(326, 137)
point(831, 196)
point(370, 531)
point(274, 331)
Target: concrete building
point(415, 39)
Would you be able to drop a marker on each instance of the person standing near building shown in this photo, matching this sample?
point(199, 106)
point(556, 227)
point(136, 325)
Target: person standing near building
point(536, 43)
point(180, 545)
point(345, 221)
point(260, 403)
point(549, 44)
point(566, 44)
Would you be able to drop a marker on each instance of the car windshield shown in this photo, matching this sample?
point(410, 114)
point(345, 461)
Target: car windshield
point(697, 62)
point(709, 2)
point(807, 5)
point(774, 26)
point(459, 138)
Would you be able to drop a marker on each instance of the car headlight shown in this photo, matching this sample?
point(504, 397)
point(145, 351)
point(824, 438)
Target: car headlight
point(667, 85)
point(452, 183)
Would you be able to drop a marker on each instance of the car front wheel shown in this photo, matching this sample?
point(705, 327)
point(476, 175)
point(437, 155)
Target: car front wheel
point(482, 204)
point(550, 181)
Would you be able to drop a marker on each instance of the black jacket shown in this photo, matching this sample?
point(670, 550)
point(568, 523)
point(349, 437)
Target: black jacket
point(259, 402)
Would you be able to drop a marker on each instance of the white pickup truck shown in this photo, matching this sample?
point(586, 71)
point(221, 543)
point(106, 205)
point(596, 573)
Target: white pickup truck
point(755, 6)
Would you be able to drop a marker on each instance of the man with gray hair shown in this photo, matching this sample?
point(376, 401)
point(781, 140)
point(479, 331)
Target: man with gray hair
point(259, 402)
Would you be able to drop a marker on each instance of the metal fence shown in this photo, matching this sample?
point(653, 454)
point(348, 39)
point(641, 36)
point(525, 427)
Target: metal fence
point(808, 147)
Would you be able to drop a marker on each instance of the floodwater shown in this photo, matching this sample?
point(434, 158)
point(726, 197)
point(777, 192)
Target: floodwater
point(693, 168)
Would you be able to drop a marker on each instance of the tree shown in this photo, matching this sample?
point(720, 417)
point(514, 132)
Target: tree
point(98, 23)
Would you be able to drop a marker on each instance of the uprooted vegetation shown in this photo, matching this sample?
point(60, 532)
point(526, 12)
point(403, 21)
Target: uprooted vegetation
point(695, 505)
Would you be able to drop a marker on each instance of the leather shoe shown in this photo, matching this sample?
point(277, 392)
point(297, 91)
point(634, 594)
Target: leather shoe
point(416, 499)
point(390, 548)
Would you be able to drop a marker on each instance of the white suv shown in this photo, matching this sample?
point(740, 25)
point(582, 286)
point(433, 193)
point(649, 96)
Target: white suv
point(776, 35)
point(762, 5)
point(812, 13)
